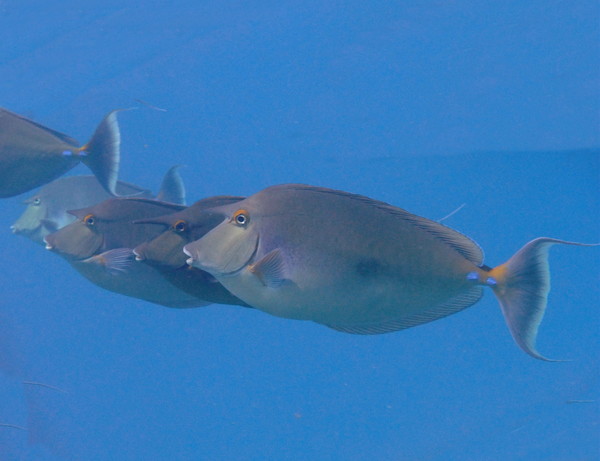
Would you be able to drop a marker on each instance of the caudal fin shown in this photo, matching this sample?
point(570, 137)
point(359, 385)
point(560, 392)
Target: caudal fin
point(103, 152)
point(522, 285)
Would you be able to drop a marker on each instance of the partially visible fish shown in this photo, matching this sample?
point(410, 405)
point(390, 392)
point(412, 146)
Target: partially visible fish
point(108, 225)
point(98, 245)
point(165, 252)
point(46, 211)
point(363, 266)
point(32, 155)
point(181, 227)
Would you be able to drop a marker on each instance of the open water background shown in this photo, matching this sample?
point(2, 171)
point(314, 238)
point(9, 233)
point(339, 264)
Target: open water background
point(426, 105)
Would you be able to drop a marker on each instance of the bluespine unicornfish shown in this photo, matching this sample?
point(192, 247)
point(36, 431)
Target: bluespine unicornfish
point(363, 266)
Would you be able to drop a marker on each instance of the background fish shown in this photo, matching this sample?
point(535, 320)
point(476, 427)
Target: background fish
point(46, 211)
point(98, 245)
point(181, 227)
point(362, 266)
point(32, 155)
point(108, 225)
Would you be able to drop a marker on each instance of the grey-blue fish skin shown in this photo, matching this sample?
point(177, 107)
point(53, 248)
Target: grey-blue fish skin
point(108, 225)
point(95, 243)
point(363, 266)
point(32, 155)
point(165, 251)
point(46, 210)
point(181, 227)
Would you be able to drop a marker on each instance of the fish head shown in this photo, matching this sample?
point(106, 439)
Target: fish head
point(229, 247)
point(166, 250)
point(30, 222)
point(78, 240)
point(181, 228)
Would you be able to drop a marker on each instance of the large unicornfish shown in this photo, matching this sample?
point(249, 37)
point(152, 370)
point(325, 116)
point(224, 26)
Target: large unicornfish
point(363, 266)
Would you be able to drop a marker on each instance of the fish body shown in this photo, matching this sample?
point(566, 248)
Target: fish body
point(108, 225)
point(46, 210)
point(32, 155)
point(362, 266)
point(98, 245)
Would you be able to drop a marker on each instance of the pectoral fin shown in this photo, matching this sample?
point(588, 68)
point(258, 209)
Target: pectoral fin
point(271, 269)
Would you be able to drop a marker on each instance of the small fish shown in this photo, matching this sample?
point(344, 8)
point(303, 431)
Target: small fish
point(108, 225)
point(32, 155)
point(362, 266)
point(98, 245)
point(46, 211)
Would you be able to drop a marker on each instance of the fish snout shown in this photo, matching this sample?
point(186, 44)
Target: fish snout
point(48, 244)
point(138, 256)
point(190, 260)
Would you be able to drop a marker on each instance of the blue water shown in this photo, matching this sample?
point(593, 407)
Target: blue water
point(425, 105)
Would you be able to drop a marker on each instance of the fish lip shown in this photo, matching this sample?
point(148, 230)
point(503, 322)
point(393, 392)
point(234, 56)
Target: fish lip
point(48, 245)
point(24, 231)
point(138, 256)
point(225, 274)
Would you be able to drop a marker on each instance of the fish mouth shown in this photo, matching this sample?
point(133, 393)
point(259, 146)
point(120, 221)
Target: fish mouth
point(138, 255)
point(24, 231)
point(191, 259)
point(48, 245)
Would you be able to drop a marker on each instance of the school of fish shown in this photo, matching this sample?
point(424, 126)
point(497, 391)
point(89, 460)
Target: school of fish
point(346, 261)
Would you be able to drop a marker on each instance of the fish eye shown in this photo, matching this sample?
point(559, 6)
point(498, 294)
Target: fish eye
point(37, 201)
point(89, 219)
point(240, 217)
point(179, 226)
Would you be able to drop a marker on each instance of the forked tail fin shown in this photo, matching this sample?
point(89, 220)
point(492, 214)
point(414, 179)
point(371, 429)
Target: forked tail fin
point(522, 285)
point(102, 154)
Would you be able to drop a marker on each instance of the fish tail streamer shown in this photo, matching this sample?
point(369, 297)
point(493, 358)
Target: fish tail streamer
point(103, 152)
point(522, 285)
